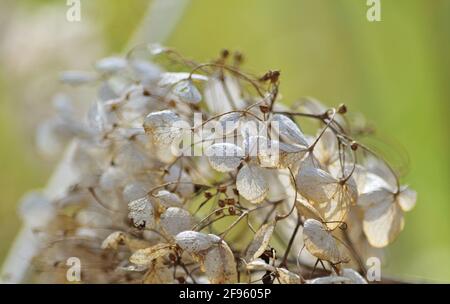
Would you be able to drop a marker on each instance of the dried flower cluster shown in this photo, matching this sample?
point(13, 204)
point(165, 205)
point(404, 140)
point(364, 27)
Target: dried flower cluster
point(202, 175)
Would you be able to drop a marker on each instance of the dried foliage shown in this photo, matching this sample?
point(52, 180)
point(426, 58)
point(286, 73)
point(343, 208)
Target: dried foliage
point(203, 175)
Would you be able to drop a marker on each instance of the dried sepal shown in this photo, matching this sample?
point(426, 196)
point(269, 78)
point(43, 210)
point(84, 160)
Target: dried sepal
point(220, 265)
point(187, 92)
point(319, 241)
point(224, 157)
point(353, 275)
point(143, 257)
point(118, 238)
point(175, 220)
point(164, 126)
point(289, 130)
point(196, 242)
point(260, 241)
point(141, 213)
point(251, 184)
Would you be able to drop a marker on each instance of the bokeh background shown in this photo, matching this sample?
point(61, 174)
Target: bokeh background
point(396, 72)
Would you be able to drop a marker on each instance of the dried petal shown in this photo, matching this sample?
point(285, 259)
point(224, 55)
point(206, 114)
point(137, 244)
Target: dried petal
point(187, 92)
point(220, 266)
point(169, 78)
point(148, 255)
point(289, 130)
point(251, 184)
point(319, 242)
point(111, 65)
point(196, 242)
point(260, 241)
point(407, 199)
point(287, 277)
point(141, 213)
point(224, 157)
point(383, 222)
point(164, 126)
point(175, 220)
point(168, 199)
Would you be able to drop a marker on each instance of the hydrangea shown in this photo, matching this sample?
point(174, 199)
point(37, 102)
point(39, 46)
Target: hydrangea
point(248, 197)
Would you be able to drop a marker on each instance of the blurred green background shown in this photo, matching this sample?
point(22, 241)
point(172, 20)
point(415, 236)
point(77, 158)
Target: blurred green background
point(396, 72)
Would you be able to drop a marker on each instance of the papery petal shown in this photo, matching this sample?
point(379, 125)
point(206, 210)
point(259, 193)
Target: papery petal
point(251, 184)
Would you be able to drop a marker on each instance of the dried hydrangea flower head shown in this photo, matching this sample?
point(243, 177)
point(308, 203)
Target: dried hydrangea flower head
point(196, 172)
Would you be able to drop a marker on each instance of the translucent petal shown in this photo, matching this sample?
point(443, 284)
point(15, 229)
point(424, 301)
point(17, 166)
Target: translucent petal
point(175, 220)
point(330, 280)
point(287, 277)
point(141, 213)
point(217, 95)
point(187, 92)
point(319, 242)
point(77, 77)
point(164, 126)
point(224, 157)
point(383, 222)
point(251, 184)
point(354, 276)
point(315, 184)
point(196, 242)
point(407, 199)
point(111, 64)
point(148, 255)
point(260, 241)
point(229, 122)
point(220, 266)
point(170, 78)
point(289, 130)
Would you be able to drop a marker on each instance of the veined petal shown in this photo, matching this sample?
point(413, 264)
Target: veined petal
point(224, 157)
point(319, 242)
point(251, 183)
point(407, 199)
point(383, 222)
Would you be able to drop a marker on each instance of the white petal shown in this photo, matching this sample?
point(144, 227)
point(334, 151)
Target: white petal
point(220, 266)
point(148, 255)
point(217, 98)
point(260, 241)
point(315, 184)
point(251, 184)
point(407, 199)
point(289, 129)
point(287, 277)
point(229, 122)
point(168, 199)
point(111, 64)
point(224, 157)
point(169, 78)
point(141, 213)
point(196, 242)
point(164, 126)
point(354, 276)
point(319, 242)
point(187, 92)
point(134, 191)
point(175, 220)
point(77, 77)
point(383, 222)
point(330, 280)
